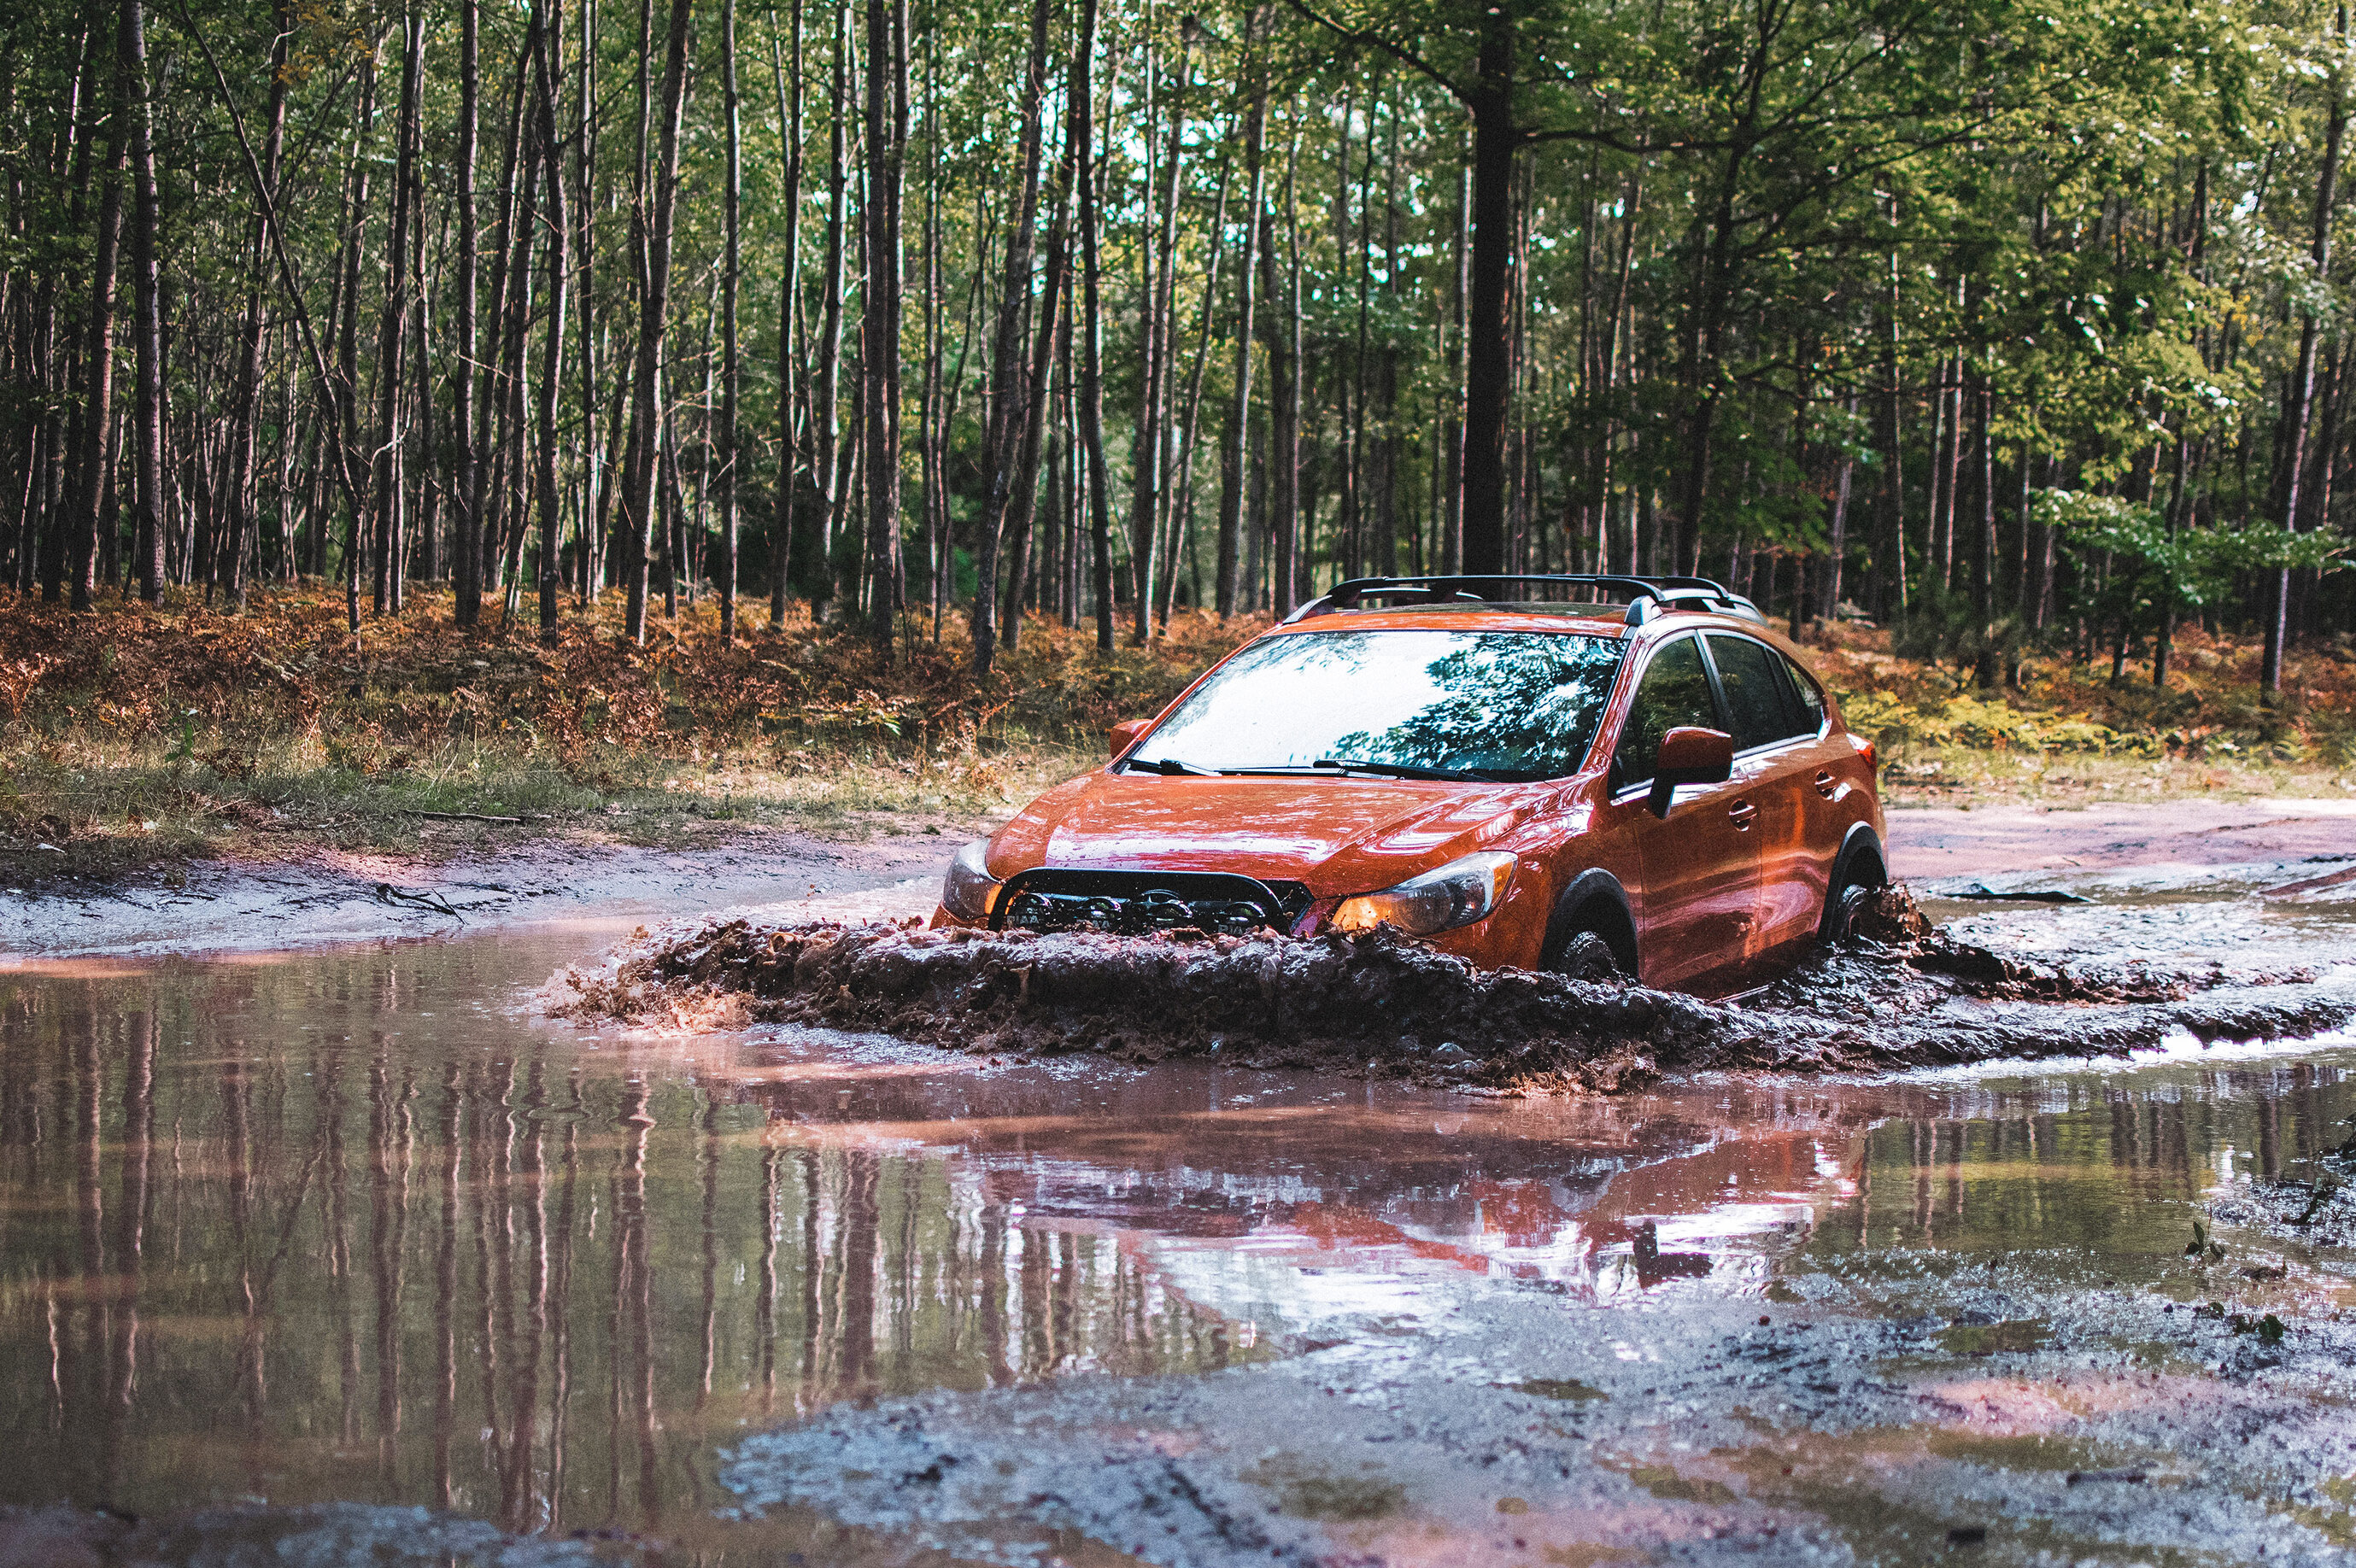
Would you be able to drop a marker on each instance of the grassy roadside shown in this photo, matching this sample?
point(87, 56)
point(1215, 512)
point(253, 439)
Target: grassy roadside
point(2065, 735)
point(135, 737)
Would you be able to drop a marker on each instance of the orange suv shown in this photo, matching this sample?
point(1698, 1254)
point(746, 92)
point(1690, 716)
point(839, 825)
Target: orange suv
point(1657, 787)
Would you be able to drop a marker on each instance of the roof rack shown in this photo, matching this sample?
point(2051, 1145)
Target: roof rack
point(1648, 596)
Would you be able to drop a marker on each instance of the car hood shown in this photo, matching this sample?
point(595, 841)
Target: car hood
point(1335, 836)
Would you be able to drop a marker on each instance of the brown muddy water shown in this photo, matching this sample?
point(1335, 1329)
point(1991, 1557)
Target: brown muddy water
point(352, 1256)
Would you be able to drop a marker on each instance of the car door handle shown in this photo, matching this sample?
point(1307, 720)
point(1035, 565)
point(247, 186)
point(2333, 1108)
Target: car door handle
point(1826, 784)
point(1742, 813)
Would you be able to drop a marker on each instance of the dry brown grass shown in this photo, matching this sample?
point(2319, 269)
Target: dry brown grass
point(2066, 733)
point(136, 734)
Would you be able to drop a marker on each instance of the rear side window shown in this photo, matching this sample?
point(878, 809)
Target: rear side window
point(1674, 693)
point(1810, 698)
point(1757, 711)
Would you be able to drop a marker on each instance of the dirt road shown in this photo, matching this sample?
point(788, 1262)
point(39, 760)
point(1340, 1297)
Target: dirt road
point(1928, 843)
point(232, 906)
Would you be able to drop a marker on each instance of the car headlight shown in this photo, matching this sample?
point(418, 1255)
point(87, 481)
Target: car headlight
point(1457, 893)
point(969, 890)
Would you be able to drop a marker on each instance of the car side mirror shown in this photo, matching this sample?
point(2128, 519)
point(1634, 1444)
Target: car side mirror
point(1689, 755)
point(1125, 734)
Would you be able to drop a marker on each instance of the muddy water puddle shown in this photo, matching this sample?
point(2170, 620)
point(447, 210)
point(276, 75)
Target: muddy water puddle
point(344, 1256)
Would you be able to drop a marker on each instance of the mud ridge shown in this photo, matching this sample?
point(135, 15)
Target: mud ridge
point(1895, 997)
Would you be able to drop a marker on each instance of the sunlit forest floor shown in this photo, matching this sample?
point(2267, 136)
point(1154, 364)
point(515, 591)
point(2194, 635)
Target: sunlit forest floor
point(2066, 734)
point(137, 736)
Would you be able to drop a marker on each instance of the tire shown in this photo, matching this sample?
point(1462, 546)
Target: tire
point(1853, 888)
point(1842, 907)
point(1590, 934)
point(1587, 956)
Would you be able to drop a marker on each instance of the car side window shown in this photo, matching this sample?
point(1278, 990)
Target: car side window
point(1674, 692)
point(1810, 697)
point(1753, 690)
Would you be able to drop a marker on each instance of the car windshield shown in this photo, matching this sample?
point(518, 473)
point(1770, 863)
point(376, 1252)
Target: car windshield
point(1447, 704)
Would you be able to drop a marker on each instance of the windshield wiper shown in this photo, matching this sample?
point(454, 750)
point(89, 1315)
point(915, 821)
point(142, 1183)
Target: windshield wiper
point(1169, 767)
point(1326, 766)
point(1398, 770)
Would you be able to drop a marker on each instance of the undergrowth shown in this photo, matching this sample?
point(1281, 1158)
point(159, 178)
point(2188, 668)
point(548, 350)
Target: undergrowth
point(137, 733)
point(2065, 730)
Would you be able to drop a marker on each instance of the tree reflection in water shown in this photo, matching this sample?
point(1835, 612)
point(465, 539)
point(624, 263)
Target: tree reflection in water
point(535, 1290)
point(271, 1229)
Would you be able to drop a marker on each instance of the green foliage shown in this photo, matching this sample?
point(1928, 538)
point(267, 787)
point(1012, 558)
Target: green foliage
point(2179, 569)
point(1812, 218)
point(1966, 719)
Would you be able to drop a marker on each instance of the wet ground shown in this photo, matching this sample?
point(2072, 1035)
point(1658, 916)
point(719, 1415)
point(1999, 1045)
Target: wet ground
point(351, 1256)
point(309, 896)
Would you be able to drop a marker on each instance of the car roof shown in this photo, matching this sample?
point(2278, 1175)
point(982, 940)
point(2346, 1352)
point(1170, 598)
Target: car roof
point(1592, 620)
point(1584, 598)
point(1588, 620)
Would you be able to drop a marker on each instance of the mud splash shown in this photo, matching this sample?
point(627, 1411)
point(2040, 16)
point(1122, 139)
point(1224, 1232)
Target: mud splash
point(1897, 996)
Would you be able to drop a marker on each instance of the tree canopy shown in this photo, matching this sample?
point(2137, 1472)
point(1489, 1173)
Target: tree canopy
point(892, 311)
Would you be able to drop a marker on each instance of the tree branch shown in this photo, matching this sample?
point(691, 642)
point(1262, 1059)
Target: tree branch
point(1404, 55)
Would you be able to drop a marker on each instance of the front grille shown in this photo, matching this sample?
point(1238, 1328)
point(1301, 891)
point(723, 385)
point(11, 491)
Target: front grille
point(1134, 902)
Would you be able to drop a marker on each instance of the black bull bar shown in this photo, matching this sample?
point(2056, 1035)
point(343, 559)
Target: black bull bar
point(1133, 903)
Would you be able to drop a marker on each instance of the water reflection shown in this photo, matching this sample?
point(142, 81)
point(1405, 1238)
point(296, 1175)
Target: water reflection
point(340, 1227)
point(2105, 1165)
point(397, 1261)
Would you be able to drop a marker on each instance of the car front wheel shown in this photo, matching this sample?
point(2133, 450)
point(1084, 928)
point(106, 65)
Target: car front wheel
point(1586, 957)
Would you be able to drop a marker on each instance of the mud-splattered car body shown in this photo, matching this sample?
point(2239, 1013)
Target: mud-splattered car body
point(1660, 785)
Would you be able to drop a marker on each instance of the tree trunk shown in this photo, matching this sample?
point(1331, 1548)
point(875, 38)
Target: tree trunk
point(1451, 435)
point(1893, 573)
point(825, 411)
point(514, 425)
point(654, 310)
point(466, 563)
point(494, 405)
point(1488, 346)
point(590, 522)
point(732, 267)
point(789, 388)
point(347, 485)
point(229, 569)
point(2302, 386)
point(1284, 396)
point(1360, 473)
point(147, 328)
point(1347, 522)
point(98, 359)
point(1984, 561)
point(546, 68)
point(1081, 152)
point(1051, 343)
point(1176, 531)
point(1008, 404)
point(1157, 253)
point(347, 396)
point(392, 336)
point(932, 435)
point(1238, 443)
point(1836, 535)
point(887, 131)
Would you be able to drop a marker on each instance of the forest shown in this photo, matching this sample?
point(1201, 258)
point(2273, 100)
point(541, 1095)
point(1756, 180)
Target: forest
point(2009, 327)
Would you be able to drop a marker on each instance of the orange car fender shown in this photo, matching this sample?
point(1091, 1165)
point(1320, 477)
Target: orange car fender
point(1565, 867)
